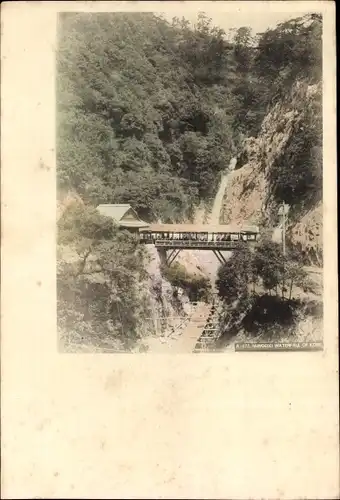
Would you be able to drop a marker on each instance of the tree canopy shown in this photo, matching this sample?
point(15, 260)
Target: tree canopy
point(132, 123)
point(99, 276)
point(149, 113)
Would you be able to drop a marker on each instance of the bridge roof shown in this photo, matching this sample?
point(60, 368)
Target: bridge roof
point(117, 210)
point(199, 228)
point(123, 214)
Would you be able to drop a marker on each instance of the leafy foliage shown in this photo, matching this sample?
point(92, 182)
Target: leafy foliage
point(256, 310)
point(296, 176)
point(143, 103)
point(290, 51)
point(197, 287)
point(235, 275)
point(133, 123)
point(269, 264)
point(99, 277)
point(266, 264)
point(270, 310)
point(267, 66)
point(149, 113)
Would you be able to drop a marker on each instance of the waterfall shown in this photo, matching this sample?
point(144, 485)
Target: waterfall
point(207, 260)
point(216, 209)
point(166, 341)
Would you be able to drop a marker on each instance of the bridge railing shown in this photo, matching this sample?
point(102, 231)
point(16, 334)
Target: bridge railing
point(197, 244)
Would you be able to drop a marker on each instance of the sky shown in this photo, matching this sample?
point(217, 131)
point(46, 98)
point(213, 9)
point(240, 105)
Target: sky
point(259, 22)
point(257, 15)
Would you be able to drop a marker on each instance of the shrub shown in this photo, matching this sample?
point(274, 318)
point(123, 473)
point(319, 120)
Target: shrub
point(99, 277)
point(196, 286)
point(234, 276)
point(268, 310)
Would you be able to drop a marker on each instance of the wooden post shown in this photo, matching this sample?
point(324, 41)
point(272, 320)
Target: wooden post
point(283, 229)
point(283, 246)
point(291, 288)
point(162, 255)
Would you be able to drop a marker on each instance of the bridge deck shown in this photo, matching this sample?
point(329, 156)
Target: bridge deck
point(199, 245)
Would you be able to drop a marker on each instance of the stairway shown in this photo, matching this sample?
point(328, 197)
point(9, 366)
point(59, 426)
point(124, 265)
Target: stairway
point(187, 341)
point(207, 340)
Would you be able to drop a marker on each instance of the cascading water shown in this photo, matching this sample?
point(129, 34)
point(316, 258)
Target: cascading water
point(206, 261)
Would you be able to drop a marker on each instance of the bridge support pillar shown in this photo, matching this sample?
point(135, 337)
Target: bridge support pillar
point(171, 256)
point(162, 255)
point(219, 256)
point(168, 256)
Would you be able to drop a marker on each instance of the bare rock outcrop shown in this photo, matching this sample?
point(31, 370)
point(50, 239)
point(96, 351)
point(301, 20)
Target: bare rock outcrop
point(248, 197)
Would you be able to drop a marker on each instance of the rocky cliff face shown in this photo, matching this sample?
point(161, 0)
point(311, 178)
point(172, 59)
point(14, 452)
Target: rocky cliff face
point(164, 300)
point(249, 197)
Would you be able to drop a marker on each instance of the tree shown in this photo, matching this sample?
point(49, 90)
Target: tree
point(269, 264)
point(291, 50)
point(234, 277)
point(295, 275)
point(99, 276)
point(150, 113)
point(276, 270)
point(296, 175)
point(127, 103)
point(84, 223)
point(196, 286)
point(243, 53)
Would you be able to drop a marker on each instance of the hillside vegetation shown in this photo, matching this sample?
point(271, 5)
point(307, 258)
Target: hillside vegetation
point(267, 295)
point(100, 277)
point(283, 162)
point(141, 119)
point(150, 113)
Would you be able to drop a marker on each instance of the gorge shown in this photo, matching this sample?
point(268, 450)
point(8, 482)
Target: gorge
point(220, 138)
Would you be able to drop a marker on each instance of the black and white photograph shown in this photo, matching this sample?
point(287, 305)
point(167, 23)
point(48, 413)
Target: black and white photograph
point(189, 157)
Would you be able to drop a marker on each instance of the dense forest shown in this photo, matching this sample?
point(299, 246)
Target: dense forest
point(150, 113)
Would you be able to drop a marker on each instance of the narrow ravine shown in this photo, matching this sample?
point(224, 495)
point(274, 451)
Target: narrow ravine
point(183, 338)
point(206, 258)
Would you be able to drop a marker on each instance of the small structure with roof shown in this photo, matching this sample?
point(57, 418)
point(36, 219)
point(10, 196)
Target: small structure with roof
point(124, 215)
